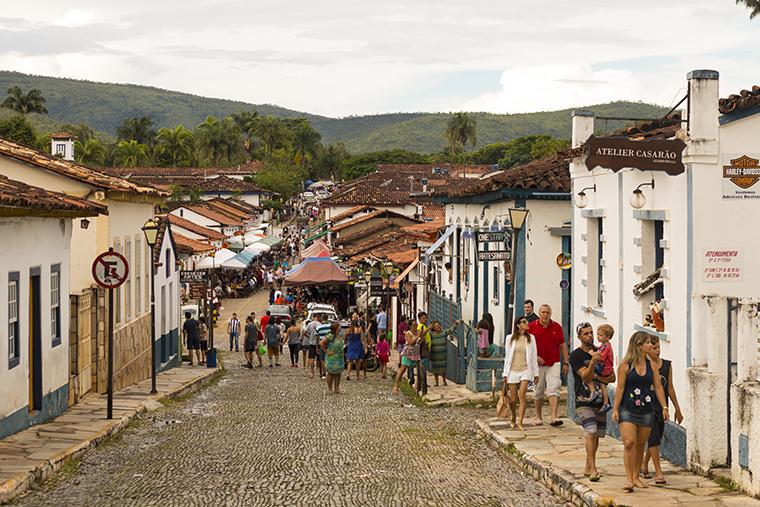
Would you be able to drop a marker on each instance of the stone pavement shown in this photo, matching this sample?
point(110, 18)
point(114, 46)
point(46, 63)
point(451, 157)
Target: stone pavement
point(453, 395)
point(34, 453)
point(556, 456)
point(273, 436)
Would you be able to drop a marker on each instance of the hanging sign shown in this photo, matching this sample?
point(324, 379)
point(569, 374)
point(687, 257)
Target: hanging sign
point(617, 153)
point(110, 269)
point(487, 237)
point(741, 174)
point(564, 284)
point(494, 255)
point(564, 261)
point(193, 276)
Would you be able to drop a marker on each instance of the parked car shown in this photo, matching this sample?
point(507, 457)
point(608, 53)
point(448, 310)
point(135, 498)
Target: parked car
point(281, 311)
point(313, 309)
point(193, 309)
point(309, 197)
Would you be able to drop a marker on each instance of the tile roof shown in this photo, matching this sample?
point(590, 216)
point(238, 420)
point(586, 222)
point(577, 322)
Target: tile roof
point(226, 184)
point(239, 205)
point(351, 212)
point(74, 170)
point(379, 213)
point(431, 227)
point(231, 211)
point(19, 199)
point(663, 128)
point(189, 245)
point(434, 212)
point(184, 223)
point(745, 99)
point(450, 170)
point(374, 229)
point(186, 172)
point(214, 215)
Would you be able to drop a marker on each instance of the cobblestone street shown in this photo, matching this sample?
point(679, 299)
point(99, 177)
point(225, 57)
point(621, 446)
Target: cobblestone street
point(274, 437)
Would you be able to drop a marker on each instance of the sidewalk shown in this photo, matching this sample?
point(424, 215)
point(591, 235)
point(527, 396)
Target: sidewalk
point(556, 457)
point(33, 454)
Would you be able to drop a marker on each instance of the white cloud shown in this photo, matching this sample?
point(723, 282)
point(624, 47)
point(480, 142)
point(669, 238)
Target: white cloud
point(78, 17)
point(556, 87)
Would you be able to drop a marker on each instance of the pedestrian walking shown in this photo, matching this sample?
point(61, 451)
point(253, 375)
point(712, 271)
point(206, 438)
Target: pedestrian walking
point(552, 359)
point(483, 332)
point(634, 406)
point(583, 362)
point(233, 329)
point(311, 331)
point(383, 355)
point(438, 340)
point(520, 367)
point(273, 336)
point(663, 367)
point(382, 322)
point(249, 342)
point(402, 328)
point(373, 329)
point(203, 329)
point(333, 345)
point(294, 342)
point(410, 356)
point(265, 320)
point(529, 313)
point(192, 336)
point(355, 352)
point(322, 330)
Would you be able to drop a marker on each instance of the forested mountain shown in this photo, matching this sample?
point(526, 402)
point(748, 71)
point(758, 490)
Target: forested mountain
point(104, 106)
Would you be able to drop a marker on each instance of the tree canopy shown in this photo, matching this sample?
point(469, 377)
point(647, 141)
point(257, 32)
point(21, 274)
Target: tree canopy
point(18, 130)
point(358, 165)
point(752, 5)
point(23, 103)
point(460, 131)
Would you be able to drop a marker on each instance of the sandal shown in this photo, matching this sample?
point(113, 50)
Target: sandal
point(660, 480)
point(645, 474)
point(628, 488)
point(594, 477)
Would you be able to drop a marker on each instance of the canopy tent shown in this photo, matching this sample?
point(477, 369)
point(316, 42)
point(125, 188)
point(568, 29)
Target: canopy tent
point(316, 236)
point(240, 261)
point(257, 248)
point(220, 257)
point(317, 249)
point(270, 240)
point(252, 237)
point(315, 271)
point(235, 243)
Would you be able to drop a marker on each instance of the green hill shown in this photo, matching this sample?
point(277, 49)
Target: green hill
point(104, 106)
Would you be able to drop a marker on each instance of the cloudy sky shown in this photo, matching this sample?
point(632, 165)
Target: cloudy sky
point(344, 57)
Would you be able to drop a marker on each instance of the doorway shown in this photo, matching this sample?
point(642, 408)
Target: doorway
point(35, 341)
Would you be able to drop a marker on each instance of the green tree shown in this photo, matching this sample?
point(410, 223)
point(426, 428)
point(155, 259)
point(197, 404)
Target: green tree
point(83, 132)
point(174, 147)
point(246, 122)
point(138, 129)
point(218, 140)
point(130, 154)
point(488, 154)
point(328, 161)
point(524, 149)
point(90, 152)
point(18, 130)
point(364, 163)
point(274, 134)
point(305, 142)
point(23, 103)
point(753, 5)
point(545, 146)
point(460, 131)
point(281, 176)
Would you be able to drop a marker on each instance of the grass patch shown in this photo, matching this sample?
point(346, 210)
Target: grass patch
point(411, 393)
point(726, 483)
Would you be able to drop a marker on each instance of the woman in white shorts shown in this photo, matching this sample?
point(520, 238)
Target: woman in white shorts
point(520, 366)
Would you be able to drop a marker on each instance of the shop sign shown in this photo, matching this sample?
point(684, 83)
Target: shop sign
point(617, 153)
point(193, 276)
point(494, 255)
point(488, 237)
point(722, 265)
point(741, 174)
point(198, 290)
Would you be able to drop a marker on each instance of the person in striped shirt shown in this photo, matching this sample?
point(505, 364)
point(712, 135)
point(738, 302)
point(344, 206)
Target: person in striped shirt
point(233, 328)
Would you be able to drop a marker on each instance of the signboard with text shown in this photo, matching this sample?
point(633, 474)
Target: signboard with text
point(740, 177)
point(494, 255)
point(722, 265)
point(617, 153)
point(193, 277)
point(487, 237)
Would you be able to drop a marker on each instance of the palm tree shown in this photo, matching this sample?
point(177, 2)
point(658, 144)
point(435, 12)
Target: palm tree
point(246, 122)
point(273, 133)
point(305, 142)
point(90, 152)
point(754, 5)
point(139, 129)
point(31, 102)
point(218, 139)
point(174, 147)
point(460, 130)
point(130, 154)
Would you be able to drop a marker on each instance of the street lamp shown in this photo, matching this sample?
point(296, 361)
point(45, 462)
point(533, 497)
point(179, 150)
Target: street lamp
point(517, 218)
point(638, 199)
point(367, 278)
point(150, 229)
point(387, 268)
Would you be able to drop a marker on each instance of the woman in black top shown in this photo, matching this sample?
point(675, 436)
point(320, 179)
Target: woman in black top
point(634, 406)
point(249, 346)
point(658, 427)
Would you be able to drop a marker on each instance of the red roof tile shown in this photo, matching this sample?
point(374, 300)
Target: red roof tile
point(187, 172)
point(351, 212)
point(745, 99)
point(20, 199)
point(197, 229)
point(214, 215)
point(189, 245)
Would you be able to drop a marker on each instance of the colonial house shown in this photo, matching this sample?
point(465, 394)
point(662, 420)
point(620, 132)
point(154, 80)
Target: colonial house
point(196, 232)
point(129, 206)
point(375, 223)
point(208, 217)
point(34, 302)
point(166, 266)
point(664, 235)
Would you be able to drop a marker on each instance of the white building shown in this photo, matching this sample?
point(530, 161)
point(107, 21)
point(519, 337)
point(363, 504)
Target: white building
point(209, 218)
point(167, 288)
point(34, 301)
point(685, 240)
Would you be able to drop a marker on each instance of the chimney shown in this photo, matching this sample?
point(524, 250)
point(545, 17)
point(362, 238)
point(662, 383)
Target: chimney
point(583, 127)
point(702, 114)
point(424, 182)
point(62, 145)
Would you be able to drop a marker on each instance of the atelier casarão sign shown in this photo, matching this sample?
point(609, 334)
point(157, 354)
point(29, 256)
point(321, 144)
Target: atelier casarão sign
point(618, 152)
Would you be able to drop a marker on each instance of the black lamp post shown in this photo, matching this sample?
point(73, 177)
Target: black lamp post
point(517, 219)
point(150, 229)
point(367, 278)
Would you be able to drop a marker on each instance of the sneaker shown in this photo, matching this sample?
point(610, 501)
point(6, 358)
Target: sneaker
point(531, 387)
point(323, 377)
point(605, 408)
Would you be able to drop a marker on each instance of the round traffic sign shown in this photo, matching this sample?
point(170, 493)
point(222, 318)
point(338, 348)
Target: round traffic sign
point(110, 269)
point(564, 284)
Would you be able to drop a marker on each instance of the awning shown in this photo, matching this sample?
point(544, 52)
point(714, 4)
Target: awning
point(401, 277)
point(317, 236)
point(270, 240)
point(438, 243)
point(240, 261)
point(318, 226)
point(316, 271)
point(219, 258)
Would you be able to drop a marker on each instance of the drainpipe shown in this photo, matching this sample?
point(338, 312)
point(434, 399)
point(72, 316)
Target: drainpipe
point(729, 338)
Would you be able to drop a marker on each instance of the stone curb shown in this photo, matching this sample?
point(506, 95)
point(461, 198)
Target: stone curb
point(561, 483)
point(21, 483)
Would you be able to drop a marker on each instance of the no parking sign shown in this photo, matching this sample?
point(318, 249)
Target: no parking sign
point(110, 269)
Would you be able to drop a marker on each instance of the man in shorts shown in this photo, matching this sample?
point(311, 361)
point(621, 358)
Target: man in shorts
point(594, 421)
point(191, 332)
point(552, 359)
point(313, 340)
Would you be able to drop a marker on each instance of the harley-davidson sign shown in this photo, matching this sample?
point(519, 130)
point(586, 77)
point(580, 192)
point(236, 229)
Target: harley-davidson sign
point(618, 152)
point(740, 177)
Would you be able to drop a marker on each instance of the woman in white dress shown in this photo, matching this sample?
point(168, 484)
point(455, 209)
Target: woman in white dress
point(520, 366)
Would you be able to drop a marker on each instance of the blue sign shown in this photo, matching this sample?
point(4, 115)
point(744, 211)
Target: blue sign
point(564, 284)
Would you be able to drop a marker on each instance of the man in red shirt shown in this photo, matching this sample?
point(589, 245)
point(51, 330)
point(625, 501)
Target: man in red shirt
point(265, 320)
point(551, 348)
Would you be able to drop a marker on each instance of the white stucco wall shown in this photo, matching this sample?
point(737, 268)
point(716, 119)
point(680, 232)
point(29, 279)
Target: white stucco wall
point(167, 318)
point(37, 242)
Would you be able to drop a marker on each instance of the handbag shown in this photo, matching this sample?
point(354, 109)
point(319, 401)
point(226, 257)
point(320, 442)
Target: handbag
point(424, 349)
point(502, 406)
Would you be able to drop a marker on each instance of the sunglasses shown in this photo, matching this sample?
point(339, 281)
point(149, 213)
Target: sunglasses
point(582, 325)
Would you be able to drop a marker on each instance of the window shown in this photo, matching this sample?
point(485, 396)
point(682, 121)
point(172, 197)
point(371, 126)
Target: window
point(600, 262)
point(55, 304)
point(168, 262)
point(117, 291)
point(128, 281)
point(496, 283)
point(138, 279)
point(659, 257)
point(13, 319)
point(60, 149)
point(650, 290)
point(171, 305)
point(595, 261)
point(148, 267)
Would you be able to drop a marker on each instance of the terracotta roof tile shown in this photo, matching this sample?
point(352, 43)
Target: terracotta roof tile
point(17, 199)
point(214, 215)
point(231, 211)
point(197, 229)
point(379, 213)
point(187, 172)
point(351, 212)
point(75, 171)
point(189, 245)
point(745, 99)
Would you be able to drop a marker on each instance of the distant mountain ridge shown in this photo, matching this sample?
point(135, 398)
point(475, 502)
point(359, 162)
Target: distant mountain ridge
point(104, 106)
